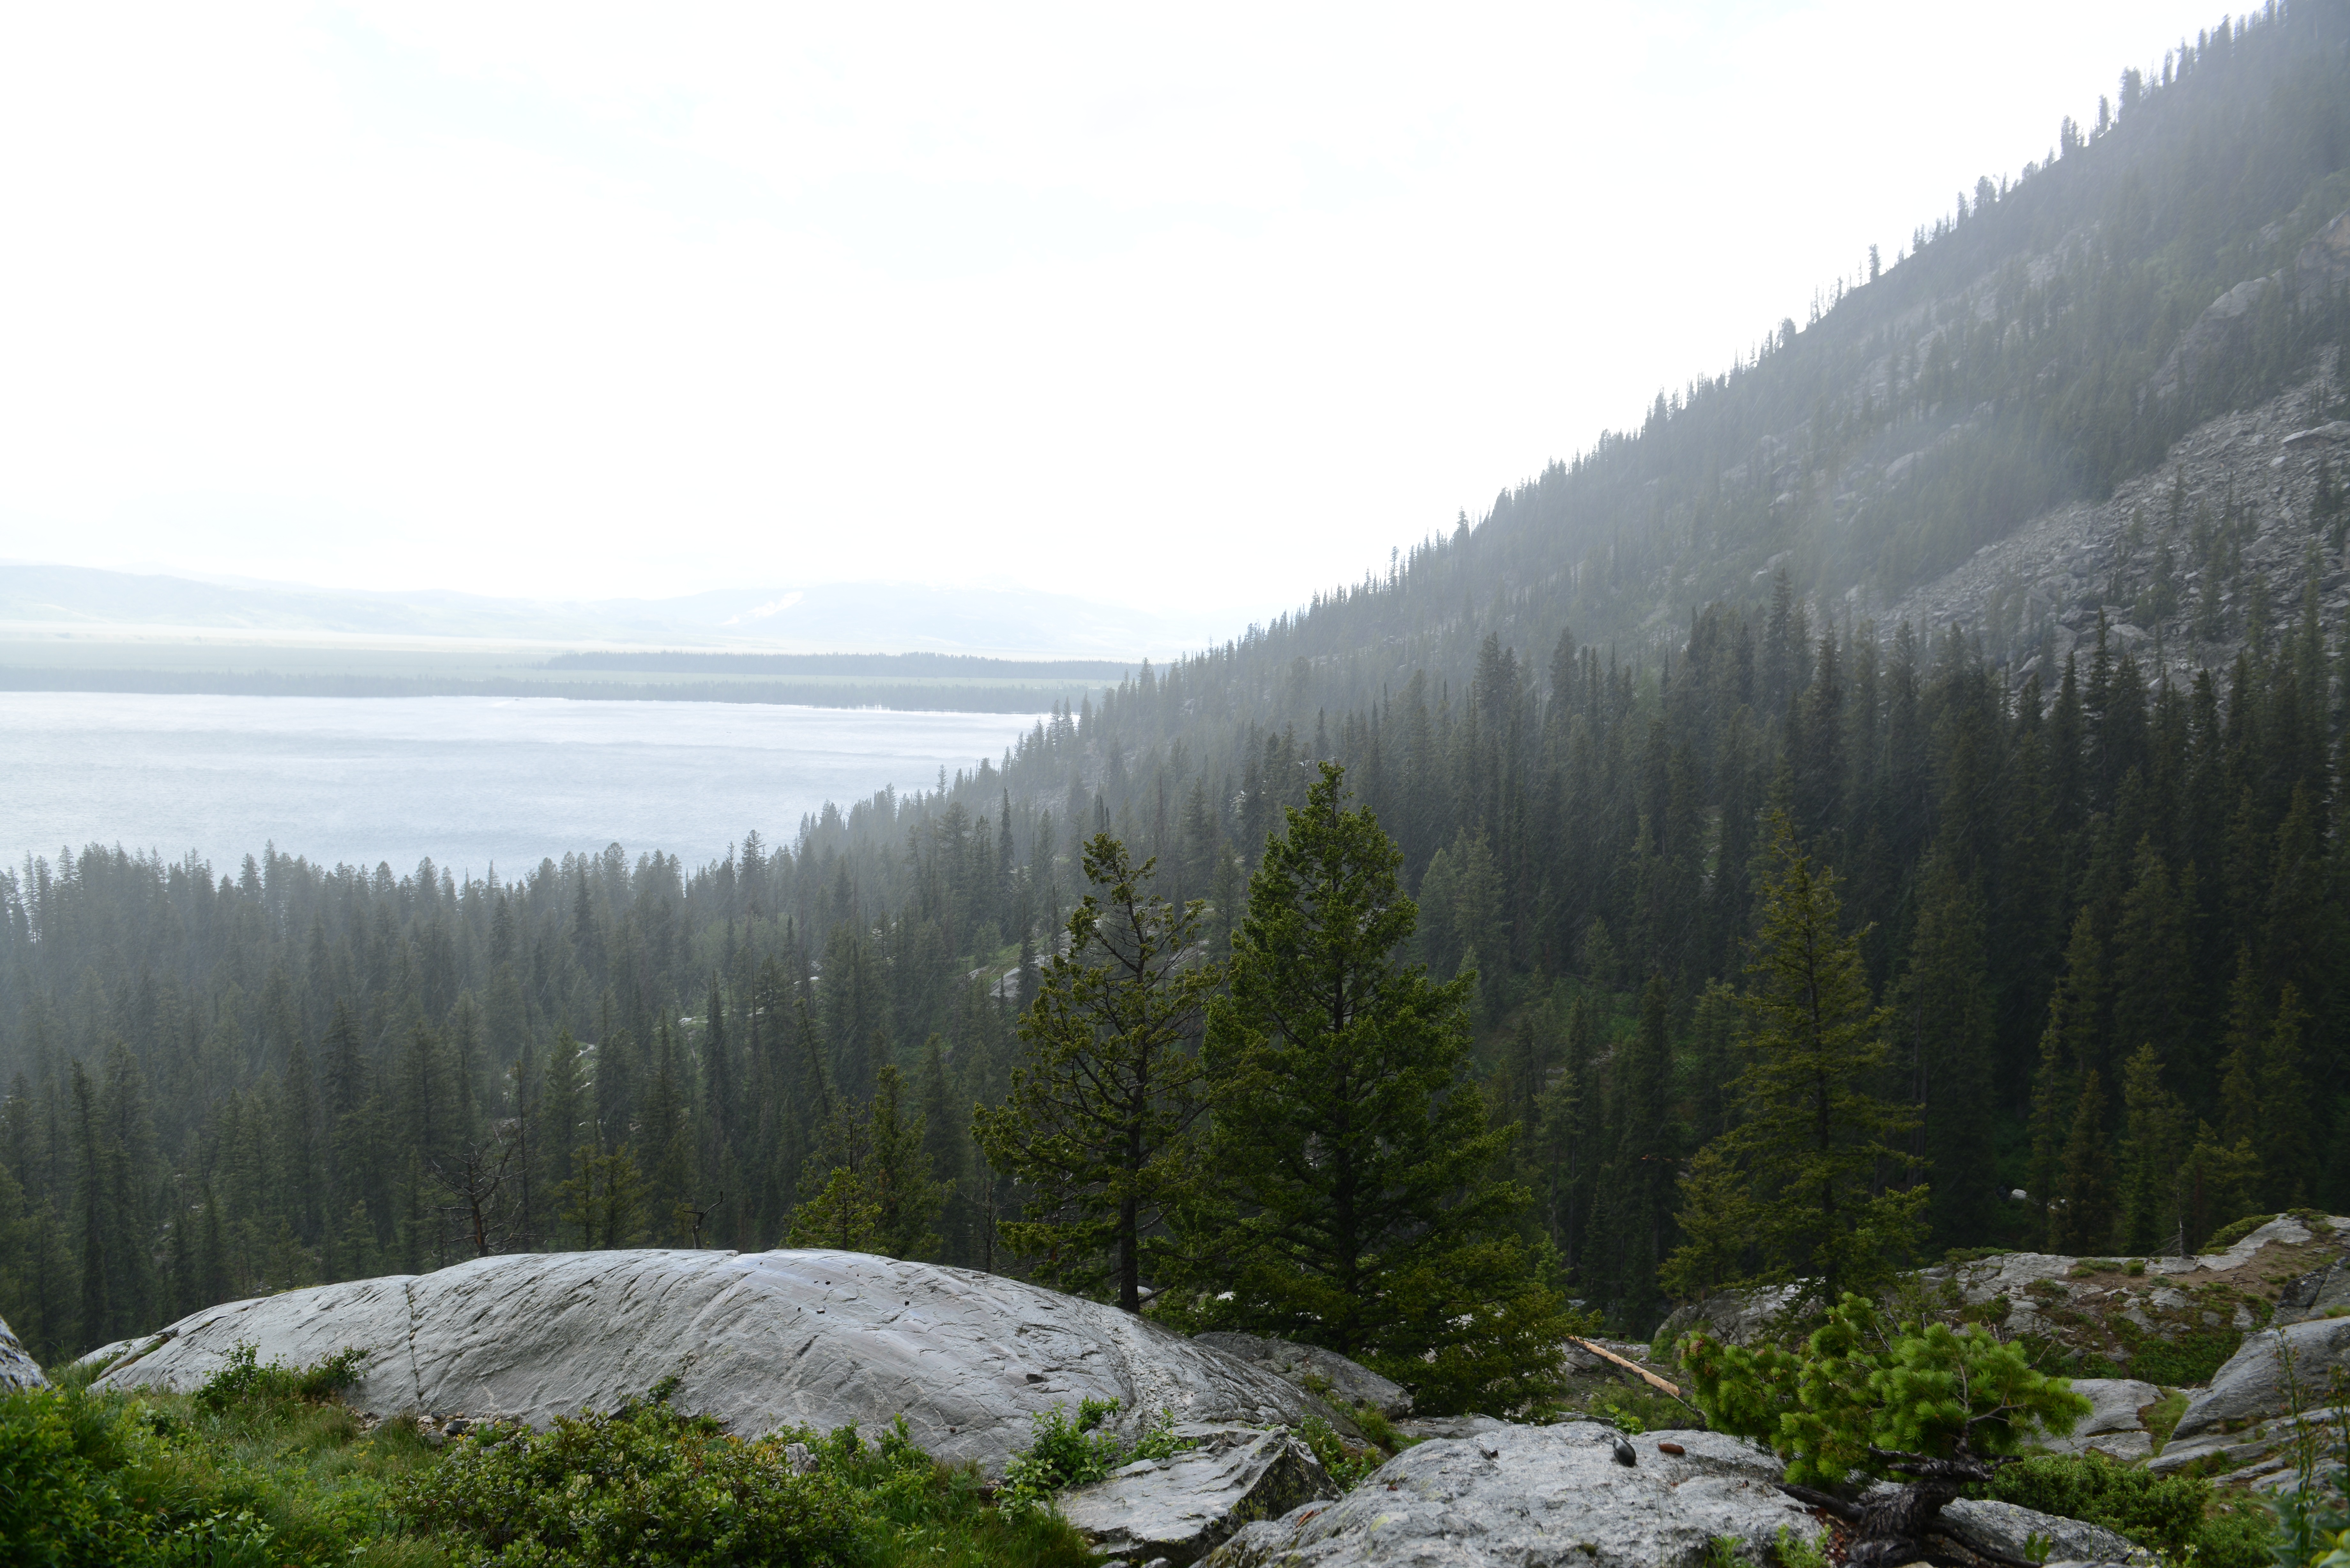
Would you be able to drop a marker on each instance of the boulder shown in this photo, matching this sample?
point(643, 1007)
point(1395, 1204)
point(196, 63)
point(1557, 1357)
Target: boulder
point(2322, 1292)
point(17, 1368)
point(1535, 1497)
point(1732, 1317)
point(2247, 1410)
point(2005, 1527)
point(2112, 1427)
point(761, 1340)
point(1182, 1508)
point(1314, 1369)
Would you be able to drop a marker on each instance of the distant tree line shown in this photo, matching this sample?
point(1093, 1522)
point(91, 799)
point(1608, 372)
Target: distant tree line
point(2082, 917)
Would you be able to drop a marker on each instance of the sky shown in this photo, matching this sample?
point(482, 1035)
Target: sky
point(1210, 305)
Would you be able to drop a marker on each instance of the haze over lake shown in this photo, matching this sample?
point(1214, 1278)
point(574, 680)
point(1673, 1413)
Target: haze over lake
point(465, 780)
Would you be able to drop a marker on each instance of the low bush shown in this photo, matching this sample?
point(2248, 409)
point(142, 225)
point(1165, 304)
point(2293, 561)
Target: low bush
point(1348, 1465)
point(2171, 1515)
point(2185, 1362)
point(644, 1484)
point(2235, 1231)
point(241, 1381)
point(1063, 1453)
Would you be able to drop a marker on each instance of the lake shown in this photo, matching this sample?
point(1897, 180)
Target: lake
point(465, 780)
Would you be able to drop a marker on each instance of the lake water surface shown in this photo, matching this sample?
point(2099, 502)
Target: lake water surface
point(465, 780)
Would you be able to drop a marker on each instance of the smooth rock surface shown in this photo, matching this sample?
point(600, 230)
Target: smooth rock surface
point(1538, 1497)
point(2251, 1384)
point(2005, 1527)
point(2246, 1413)
point(17, 1368)
point(2112, 1427)
point(1350, 1381)
point(761, 1340)
point(1182, 1508)
point(1730, 1317)
point(2324, 1293)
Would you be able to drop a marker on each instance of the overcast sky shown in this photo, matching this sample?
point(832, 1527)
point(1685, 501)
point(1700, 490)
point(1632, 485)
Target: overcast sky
point(584, 300)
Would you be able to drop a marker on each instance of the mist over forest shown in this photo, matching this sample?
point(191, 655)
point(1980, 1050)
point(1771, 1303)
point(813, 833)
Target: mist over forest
point(2079, 827)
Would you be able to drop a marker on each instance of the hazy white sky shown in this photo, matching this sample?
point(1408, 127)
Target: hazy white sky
point(1213, 303)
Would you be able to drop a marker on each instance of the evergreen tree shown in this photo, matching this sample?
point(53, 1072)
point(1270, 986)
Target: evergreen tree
point(906, 1199)
point(1790, 1194)
point(1099, 1125)
point(2085, 1192)
point(1350, 1156)
point(2154, 1149)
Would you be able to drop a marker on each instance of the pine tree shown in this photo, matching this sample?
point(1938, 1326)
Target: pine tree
point(2154, 1148)
point(839, 1210)
point(1645, 1159)
point(1100, 1122)
point(2285, 1142)
point(1350, 1155)
point(1790, 1193)
point(1943, 1023)
point(2085, 1192)
point(906, 1200)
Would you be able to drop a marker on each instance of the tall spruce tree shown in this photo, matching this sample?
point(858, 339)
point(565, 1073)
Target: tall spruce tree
point(1353, 1200)
point(1792, 1194)
point(1099, 1125)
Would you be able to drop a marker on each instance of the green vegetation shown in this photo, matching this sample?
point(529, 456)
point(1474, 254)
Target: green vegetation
point(1100, 1118)
point(2087, 860)
point(1350, 1200)
point(1064, 1453)
point(247, 1472)
point(2173, 1515)
point(1798, 1189)
point(1942, 1408)
point(261, 1466)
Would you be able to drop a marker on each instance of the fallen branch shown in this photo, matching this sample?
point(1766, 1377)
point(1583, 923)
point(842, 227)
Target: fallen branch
point(1631, 1366)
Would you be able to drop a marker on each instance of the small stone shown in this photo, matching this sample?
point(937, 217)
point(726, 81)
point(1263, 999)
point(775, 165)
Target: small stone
point(1624, 1454)
point(797, 1459)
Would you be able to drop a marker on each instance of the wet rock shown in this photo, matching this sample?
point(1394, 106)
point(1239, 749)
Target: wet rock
point(1314, 1369)
point(1538, 1497)
point(2247, 1411)
point(1730, 1317)
point(2005, 1527)
point(2323, 1293)
point(1182, 1508)
point(2112, 1427)
point(760, 1340)
point(17, 1368)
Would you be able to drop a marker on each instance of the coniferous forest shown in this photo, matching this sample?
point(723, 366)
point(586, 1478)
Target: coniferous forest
point(1629, 732)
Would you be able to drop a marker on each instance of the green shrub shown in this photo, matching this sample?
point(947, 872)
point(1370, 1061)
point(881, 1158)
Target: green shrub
point(2235, 1231)
point(2184, 1362)
point(2170, 1513)
point(61, 1455)
point(1347, 1466)
point(1063, 1453)
point(240, 1380)
point(644, 1484)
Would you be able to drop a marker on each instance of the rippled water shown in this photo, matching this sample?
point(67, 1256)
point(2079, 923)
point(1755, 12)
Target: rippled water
point(465, 780)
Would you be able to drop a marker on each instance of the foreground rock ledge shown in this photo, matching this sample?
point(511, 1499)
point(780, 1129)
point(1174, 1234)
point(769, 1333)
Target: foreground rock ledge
point(761, 1340)
point(1180, 1507)
point(1539, 1497)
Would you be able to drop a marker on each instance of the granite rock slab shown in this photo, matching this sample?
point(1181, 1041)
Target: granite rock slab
point(1538, 1497)
point(761, 1340)
point(1180, 1508)
point(1350, 1381)
point(17, 1368)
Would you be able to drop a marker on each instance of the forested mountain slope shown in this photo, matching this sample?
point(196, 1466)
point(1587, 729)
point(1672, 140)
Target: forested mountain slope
point(2100, 890)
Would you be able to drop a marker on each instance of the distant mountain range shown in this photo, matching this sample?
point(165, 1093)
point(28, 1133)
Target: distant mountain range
point(44, 601)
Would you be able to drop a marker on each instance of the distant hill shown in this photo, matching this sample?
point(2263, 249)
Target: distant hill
point(832, 618)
